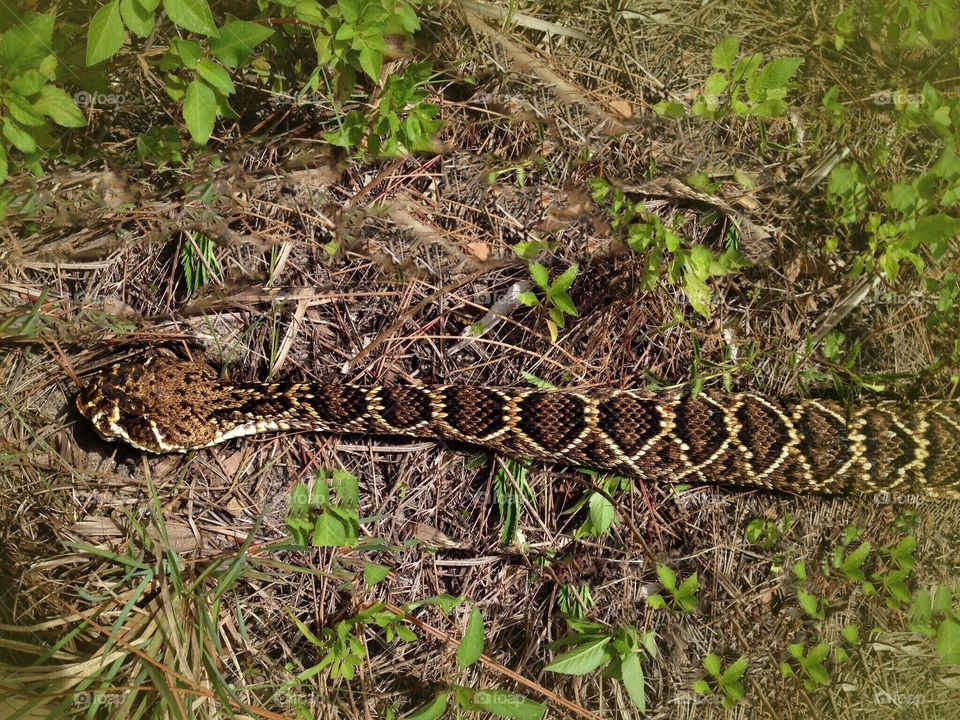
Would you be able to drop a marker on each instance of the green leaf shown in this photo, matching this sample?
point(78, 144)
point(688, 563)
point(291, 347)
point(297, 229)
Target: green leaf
point(809, 603)
point(712, 663)
point(698, 293)
point(583, 659)
point(668, 578)
point(935, 231)
point(948, 641)
point(528, 298)
point(734, 672)
point(471, 646)
point(59, 107)
point(216, 76)
point(701, 687)
point(565, 279)
point(371, 61)
point(105, 34)
point(670, 110)
point(818, 653)
point(28, 83)
point(507, 705)
point(21, 110)
point(563, 302)
point(18, 137)
point(657, 602)
point(601, 513)
point(334, 528)
point(725, 52)
point(4, 166)
point(27, 42)
point(715, 84)
point(199, 111)
point(777, 72)
point(631, 672)
point(237, 40)
point(540, 275)
point(851, 633)
point(192, 15)
point(374, 573)
point(139, 19)
point(433, 709)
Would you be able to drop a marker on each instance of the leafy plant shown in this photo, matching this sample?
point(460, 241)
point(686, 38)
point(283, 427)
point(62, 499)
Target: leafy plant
point(601, 513)
point(32, 101)
point(765, 533)
point(621, 652)
point(809, 664)
point(341, 647)
point(745, 87)
point(315, 519)
point(403, 121)
point(936, 616)
point(683, 595)
point(726, 680)
point(511, 485)
point(665, 251)
point(555, 297)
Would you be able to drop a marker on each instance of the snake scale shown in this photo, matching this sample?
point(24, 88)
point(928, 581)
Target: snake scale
point(794, 445)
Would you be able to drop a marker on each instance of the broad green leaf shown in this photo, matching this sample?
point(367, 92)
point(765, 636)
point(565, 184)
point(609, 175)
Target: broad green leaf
point(701, 687)
point(935, 231)
point(584, 658)
point(712, 663)
point(715, 84)
point(237, 40)
point(601, 512)
point(105, 34)
point(333, 529)
point(668, 578)
point(22, 111)
point(215, 76)
point(698, 293)
point(631, 672)
point(59, 107)
point(725, 52)
point(540, 275)
point(818, 653)
point(374, 573)
point(27, 42)
point(528, 298)
point(199, 110)
point(433, 709)
point(670, 110)
point(735, 671)
point(18, 137)
point(563, 302)
point(137, 18)
point(566, 278)
point(347, 488)
point(777, 72)
point(948, 641)
point(28, 82)
point(371, 61)
point(471, 646)
point(192, 15)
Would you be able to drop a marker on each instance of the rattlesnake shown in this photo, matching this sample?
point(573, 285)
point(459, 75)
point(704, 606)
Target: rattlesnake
point(795, 445)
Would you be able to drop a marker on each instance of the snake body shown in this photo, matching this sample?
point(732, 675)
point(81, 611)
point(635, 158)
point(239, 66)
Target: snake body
point(796, 445)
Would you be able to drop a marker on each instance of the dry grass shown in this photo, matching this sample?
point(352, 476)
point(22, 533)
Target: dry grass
point(203, 603)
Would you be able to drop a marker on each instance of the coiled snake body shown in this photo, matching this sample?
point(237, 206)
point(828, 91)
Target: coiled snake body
point(802, 445)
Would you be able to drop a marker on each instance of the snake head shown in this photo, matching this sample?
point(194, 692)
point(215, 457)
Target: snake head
point(147, 404)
